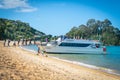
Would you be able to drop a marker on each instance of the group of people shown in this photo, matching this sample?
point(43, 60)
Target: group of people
point(15, 43)
point(8, 43)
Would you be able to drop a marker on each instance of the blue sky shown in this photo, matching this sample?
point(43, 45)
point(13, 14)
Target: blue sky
point(57, 17)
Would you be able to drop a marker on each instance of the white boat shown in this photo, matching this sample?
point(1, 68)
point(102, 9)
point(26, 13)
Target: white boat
point(75, 46)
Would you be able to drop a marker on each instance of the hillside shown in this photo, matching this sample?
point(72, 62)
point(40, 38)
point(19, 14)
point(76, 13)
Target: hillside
point(11, 29)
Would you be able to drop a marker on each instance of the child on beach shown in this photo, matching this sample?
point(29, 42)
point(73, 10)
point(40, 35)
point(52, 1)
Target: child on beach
point(38, 49)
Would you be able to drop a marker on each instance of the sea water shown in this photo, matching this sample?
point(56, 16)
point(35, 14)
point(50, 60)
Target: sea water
point(109, 62)
point(32, 48)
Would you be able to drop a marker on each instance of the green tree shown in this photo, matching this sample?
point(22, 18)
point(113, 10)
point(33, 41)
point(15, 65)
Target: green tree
point(96, 29)
point(12, 29)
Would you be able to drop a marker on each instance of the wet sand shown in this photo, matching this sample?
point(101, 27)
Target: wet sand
point(18, 64)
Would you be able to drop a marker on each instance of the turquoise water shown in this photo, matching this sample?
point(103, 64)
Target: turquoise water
point(33, 48)
point(110, 61)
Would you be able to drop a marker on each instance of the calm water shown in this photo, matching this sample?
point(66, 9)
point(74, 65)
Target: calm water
point(111, 61)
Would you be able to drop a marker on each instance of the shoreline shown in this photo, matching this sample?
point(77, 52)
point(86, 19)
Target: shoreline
point(14, 60)
point(107, 70)
point(102, 69)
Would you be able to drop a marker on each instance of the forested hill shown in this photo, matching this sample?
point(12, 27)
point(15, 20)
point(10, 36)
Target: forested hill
point(96, 29)
point(11, 29)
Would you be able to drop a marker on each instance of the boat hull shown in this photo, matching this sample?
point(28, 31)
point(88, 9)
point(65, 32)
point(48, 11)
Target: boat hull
point(76, 50)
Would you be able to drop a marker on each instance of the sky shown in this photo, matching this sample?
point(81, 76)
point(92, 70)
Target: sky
point(57, 17)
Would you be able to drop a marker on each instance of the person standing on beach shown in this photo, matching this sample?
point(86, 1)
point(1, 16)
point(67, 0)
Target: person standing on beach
point(4, 42)
point(26, 42)
point(46, 39)
point(14, 44)
point(23, 42)
point(8, 43)
point(30, 42)
point(18, 42)
point(34, 42)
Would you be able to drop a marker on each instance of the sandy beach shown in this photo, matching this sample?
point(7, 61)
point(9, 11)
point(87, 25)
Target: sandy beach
point(19, 64)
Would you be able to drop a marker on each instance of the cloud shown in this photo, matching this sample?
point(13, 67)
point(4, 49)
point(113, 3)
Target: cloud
point(19, 5)
point(27, 9)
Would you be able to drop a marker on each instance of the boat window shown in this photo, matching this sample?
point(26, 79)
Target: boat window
point(74, 44)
